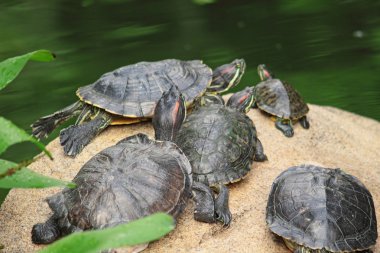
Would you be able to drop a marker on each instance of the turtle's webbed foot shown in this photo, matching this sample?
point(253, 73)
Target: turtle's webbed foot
point(222, 209)
point(286, 129)
point(304, 122)
point(75, 138)
point(259, 152)
point(204, 203)
point(44, 233)
point(44, 126)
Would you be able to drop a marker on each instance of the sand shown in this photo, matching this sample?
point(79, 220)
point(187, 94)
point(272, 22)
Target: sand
point(335, 139)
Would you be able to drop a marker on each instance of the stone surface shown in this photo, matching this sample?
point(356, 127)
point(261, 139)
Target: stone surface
point(335, 139)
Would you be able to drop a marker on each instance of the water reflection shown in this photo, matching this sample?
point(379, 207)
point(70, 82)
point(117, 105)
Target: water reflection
point(329, 51)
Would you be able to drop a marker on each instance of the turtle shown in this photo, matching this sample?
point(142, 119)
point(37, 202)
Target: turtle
point(134, 178)
point(280, 99)
point(221, 143)
point(129, 94)
point(321, 210)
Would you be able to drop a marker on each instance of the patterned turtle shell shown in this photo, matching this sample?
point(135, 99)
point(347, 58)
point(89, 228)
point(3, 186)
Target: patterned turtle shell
point(279, 98)
point(132, 179)
point(219, 142)
point(322, 209)
point(133, 90)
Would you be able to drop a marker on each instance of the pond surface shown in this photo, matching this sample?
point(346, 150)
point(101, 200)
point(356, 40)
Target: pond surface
point(329, 51)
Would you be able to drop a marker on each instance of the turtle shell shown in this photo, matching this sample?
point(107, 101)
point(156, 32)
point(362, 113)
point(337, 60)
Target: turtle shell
point(133, 90)
point(219, 142)
point(280, 99)
point(125, 182)
point(322, 208)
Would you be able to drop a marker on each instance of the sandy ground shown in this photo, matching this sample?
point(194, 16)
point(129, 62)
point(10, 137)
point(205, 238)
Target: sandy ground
point(335, 139)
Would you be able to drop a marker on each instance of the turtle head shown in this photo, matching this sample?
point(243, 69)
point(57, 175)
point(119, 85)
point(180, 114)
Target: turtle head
point(169, 114)
point(242, 100)
point(227, 76)
point(264, 72)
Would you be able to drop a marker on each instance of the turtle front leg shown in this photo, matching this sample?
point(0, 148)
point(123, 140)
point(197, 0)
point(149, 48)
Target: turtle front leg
point(75, 138)
point(204, 203)
point(259, 152)
point(222, 209)
point(286, 129)
point(45, 125)
point(45, 233)
point(304, 122)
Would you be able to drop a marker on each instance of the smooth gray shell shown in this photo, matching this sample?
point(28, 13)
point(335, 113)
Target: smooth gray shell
point(123, 183)
point(280, 99)
point(322, 208)
point(219, 143)
point(133, 90)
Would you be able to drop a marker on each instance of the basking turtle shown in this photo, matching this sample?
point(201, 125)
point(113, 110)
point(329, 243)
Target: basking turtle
point(221, 143)
point(132, 179)
point(319, 210)
point(129, 94)
point(280, 99)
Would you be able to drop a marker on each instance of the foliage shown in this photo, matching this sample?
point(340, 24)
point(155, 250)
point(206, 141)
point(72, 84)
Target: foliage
point(137, 232)
point(16, 175)
point(10, 68)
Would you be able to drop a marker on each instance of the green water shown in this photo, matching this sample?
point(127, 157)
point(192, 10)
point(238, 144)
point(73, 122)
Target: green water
point(328, 50)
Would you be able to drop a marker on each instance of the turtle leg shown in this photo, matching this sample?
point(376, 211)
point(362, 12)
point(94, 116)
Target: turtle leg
point(75, 138)
point(45, 125)
point(285, 128)
point(259, 152)
point(44, 233)
point(304, 122)
point(204, 203)
point(222, 209)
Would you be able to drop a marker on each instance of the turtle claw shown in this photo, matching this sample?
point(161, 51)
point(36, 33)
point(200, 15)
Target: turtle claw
point(304, 122)
point(288, 133)
point(222, 210)
point(224, 217)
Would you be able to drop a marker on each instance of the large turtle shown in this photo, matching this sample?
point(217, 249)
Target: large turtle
point(320, 210)
point(221, 143)
point(129, 94)
point(280, 99)
point(132, 179)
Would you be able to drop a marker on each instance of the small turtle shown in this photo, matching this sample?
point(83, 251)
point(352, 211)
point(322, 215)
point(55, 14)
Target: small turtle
point(221, 143)
point(320, 210)
point(280, 99)
point(129, 94)
point(132, 179)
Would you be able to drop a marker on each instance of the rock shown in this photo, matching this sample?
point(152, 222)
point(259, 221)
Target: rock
point(335, 139)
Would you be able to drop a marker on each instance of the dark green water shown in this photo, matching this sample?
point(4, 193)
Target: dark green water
point(329, 50)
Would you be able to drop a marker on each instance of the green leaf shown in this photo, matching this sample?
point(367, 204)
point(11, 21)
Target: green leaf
point(13, 177)
point(137, 232)
point(3, 195)
point(10, 68)
point(10, 134)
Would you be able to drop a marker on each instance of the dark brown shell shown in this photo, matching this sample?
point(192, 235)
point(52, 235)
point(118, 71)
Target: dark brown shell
point(219, 142)
point(123, 183)
point(322, 208)
point(280, 99)
point(133, 90)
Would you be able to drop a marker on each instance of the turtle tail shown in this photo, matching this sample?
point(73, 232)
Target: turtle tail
point(44, 233)
point(45, 125)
